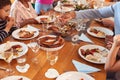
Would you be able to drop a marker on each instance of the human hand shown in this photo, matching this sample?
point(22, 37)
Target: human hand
point(10, 23)
point(116, 40)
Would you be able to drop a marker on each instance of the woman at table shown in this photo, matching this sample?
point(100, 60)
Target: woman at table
point(6, 22)
point(113, 60)
point(105, 12)
point(23, 13)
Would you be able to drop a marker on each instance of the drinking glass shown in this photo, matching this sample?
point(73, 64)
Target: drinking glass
point(8, 56)
point(22, 66)
point(52, 57)
point(35, 48)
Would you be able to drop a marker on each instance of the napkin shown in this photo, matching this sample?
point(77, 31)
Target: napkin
point(83, 37)
point(29, 27)
point(84, 68)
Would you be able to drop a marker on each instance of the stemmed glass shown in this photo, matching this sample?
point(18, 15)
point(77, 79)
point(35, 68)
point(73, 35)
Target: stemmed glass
point(52, 57)
point(35, 48)
point(8, 56)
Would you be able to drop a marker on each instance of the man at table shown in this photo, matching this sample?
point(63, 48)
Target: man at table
point(112, 69)
point(105, 12)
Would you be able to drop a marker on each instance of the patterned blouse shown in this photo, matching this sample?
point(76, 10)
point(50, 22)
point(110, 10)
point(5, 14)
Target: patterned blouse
point(19, 12)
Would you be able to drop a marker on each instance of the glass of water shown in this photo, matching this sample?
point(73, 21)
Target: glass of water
point(22, 66)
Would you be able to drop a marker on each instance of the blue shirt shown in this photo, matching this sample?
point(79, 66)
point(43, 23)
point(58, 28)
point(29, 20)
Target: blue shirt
point(105, 12)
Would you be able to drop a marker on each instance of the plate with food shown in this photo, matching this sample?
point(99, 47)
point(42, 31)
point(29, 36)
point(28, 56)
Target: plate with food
point(19, 49)
point(74, 75)
point(99, 32)
point(15, 78)
point(93, 53)
point(25, 33)
point(45, 19)
point(51, 42)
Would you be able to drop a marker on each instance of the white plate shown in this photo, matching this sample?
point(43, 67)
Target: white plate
point(16, 36)
point(44, 16)
point(73, 75)
point(50, 49)
point(24, 47)
point(15, 78)
point(64, 9)
point(85, 47)
point(105, 30)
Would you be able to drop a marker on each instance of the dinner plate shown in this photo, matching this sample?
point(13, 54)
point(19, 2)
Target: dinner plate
point(50, 49)
point(64, 9)
point(15, 34)
point(15, 78)
point(45, 16)
point(24, 48)
point(73, 75)
point(101, 29)
point(99, 58)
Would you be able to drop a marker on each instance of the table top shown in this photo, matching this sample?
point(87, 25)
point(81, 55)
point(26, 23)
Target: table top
point(64, 63)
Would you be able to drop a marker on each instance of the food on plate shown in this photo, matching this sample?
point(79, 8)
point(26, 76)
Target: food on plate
point(51, 41)
point(97, 32)
point(94, 54)
point(26, 34)
point(44, 20)
point(64, 30)
point(16, 48)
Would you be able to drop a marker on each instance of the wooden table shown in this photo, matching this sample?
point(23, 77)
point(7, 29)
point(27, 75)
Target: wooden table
point(64, 63)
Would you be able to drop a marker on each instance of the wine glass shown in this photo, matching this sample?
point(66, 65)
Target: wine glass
point(35, 48)
point(52, 57)
point(8, 56)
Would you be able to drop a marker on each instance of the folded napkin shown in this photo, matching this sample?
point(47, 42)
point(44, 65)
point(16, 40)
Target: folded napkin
point(83, 37)
point(84, 68)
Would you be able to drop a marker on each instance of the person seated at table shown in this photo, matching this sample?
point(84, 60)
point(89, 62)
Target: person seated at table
point(105, 12)
point(113, 59)
point(23, 13)
point(6, 22)
point(43, 5)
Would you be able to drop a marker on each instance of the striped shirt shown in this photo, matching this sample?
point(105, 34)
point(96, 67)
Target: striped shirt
point(3, 33)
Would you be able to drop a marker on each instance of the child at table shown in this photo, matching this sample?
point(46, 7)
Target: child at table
point(6, 22)
point(43, 5)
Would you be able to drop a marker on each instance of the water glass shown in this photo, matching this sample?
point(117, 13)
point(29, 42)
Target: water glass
point(22, 66)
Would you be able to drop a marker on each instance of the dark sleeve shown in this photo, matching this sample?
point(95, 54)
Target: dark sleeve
point(3, 35)
point(11, 30)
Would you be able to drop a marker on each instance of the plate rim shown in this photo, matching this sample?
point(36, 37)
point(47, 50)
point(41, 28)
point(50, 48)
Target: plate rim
point(22, 44)
point(98, 27)
point(16, 33)
point(74, 72)
point(79, 52)
point(15, 76)
point(43, 16)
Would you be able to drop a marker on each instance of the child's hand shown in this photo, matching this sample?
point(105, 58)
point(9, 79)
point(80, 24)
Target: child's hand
point(10, 23)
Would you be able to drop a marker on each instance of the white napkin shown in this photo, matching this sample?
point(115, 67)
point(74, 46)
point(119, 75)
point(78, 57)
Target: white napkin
point(84, 68)
point(29, 27)
point(83, 37)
